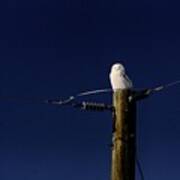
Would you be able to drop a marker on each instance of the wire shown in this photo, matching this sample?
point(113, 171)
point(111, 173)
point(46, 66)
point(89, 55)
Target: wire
point(82, 94)
point(87, 93)
point(156, 89)
point(98, 91)
point(70, 99)
point(138, 162)
point(163, 87)
point(56, 101)
point(173, 83)
point(140, 168)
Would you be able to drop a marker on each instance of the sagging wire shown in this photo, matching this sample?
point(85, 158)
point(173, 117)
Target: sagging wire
point(150, 91)
point(98, 91)
point(87, 106)
point(140, 168)
point(163, 87)
point(70, 99)
point(147, 92)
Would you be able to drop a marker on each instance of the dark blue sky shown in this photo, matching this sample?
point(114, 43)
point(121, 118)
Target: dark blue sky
point(54, 48)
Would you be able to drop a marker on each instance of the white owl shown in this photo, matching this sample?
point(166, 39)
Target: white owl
point(118, 78)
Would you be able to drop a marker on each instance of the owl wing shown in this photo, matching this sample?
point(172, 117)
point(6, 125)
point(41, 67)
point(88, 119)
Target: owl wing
point(128, 82)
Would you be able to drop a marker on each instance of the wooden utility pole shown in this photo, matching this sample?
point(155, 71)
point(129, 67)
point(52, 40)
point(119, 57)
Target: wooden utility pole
point(123, 151)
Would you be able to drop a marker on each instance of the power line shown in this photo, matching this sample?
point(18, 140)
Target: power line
point(92, 106)
point(70, 99)
point(146, 92)
point(140, 168)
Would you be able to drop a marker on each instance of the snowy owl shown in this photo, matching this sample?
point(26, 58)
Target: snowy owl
point(118, 78)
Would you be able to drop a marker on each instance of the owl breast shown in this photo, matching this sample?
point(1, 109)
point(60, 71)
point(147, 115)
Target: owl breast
point(119, 81)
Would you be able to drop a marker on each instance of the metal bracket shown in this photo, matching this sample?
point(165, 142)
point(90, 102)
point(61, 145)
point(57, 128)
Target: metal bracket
point(139, 95)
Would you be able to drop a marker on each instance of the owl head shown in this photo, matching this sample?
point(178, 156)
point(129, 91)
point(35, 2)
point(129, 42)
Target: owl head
point(118, 68)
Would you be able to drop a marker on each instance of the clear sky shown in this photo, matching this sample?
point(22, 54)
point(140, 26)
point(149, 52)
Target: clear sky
point(56, 48)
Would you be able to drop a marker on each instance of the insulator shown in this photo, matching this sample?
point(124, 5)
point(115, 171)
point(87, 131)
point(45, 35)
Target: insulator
point(92, 106)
